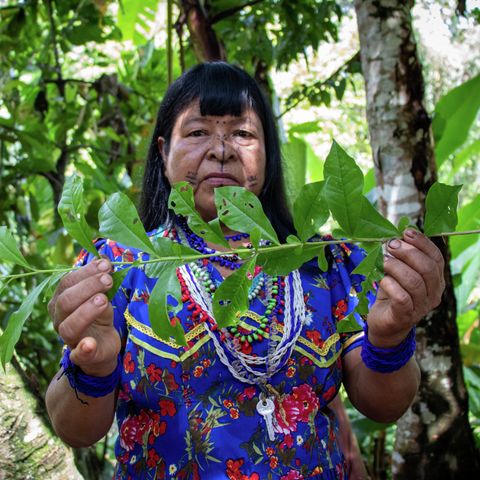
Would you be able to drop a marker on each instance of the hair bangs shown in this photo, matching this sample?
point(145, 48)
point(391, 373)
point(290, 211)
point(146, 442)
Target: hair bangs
point(223, 91)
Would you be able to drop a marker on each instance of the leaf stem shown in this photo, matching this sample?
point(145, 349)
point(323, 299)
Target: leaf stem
point(191, 258)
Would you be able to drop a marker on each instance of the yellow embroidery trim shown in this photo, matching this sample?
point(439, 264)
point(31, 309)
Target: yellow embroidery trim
point(171, 356)
point(131, 320)
point(322, 351)
point(319, 362)
point(352, 339)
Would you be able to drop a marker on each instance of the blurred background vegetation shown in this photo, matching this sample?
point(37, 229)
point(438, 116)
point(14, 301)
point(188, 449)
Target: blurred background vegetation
point(81, 81)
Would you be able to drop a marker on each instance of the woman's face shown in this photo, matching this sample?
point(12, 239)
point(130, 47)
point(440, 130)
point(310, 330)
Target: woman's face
point(213, 151)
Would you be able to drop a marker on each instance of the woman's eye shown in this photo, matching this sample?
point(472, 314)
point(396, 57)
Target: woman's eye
point(197, 133)
point(243, 133)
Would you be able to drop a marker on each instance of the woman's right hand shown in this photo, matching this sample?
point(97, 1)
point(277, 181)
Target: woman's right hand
point(83, 317)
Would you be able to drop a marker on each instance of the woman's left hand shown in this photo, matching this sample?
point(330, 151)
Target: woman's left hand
point(412, 286)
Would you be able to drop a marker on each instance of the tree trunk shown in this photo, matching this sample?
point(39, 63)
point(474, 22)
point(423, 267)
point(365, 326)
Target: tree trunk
point(28, 448)
point(434, 438)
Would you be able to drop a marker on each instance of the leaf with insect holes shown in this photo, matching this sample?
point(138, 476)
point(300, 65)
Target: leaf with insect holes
point(310, 210)
point(12, 333)
point(119, 221)
point(9, 251)
point(231, 297)
point(159, 308)
point(343, 188)
point(71, 209)
point(242, 211)
point(441, 209)
point(182, 202)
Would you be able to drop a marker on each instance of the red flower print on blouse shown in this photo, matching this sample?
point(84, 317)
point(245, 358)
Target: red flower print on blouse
point(167, 407)
point(292, 475)
point(133, 430)
point(154, 373)
point(315, 337)
point(330, 393)
point(233, 471)
point(128, 363)
point(287, 442)
point(248, 392)
point(307, 401)
point(127, 256)
point(153, 458)
point(169, 381)
point(340, 309)
point(116, 250)
point(286, 414)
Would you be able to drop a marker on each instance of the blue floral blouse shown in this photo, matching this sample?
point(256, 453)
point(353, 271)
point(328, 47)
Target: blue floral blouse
point(182, 415)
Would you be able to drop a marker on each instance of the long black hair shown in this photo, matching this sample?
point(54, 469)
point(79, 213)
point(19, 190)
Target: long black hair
point(221, 89)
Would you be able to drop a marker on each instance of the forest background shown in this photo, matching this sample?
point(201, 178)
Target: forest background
point(81, 81)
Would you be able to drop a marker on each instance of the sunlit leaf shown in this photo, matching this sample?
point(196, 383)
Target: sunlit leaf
point(348, 324)
point(231, 297)
point(453, 118)
point(441, 209)
point(9, 251)
point(242, 211)
point(343, 188)
point(119, 221)
point(72, 212)
point(181, 200)
point(16, 321)
point(372, 224)
point(370, 262)
point(468, 219)
point(282, 262)
point(310, 210)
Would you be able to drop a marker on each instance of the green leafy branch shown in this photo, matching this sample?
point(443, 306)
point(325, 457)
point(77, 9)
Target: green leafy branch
point(339, 195)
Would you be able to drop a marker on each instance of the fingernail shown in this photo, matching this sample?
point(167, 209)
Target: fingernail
point(106, 280)
point(411, 233)
point(99, 300)
point(103, 266)
point(394, 243)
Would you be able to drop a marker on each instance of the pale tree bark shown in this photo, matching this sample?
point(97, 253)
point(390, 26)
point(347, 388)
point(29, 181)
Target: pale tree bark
point(28, 448)
point(434, 439)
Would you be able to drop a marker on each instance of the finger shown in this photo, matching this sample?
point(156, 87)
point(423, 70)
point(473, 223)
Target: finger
point(95, 358)
point(75, 296)
point(423, 243)
point(420, 262)
point(96, 309)
point(410, 280)
point(85, 352)
point(102, 265)
point(401, 302)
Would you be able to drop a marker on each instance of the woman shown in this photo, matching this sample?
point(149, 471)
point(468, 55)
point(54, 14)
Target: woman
point(243, 403)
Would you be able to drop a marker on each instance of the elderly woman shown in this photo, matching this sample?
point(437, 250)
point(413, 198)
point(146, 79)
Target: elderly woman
point(246, 402)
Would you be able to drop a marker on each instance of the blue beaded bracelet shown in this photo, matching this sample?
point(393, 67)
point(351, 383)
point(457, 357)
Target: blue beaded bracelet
point(387, 360)
point(87, 384)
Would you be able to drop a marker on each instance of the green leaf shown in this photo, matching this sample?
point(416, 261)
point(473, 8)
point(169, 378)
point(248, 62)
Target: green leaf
point(441, 209)
point(304, 128)
point(370, 262)
point(343, 189)
point(282, 262)
point(322, 259)
point(294, 153)
point(468, 219)
point(372, 224)
point(403, 224)
point(181, 200)
point(231, 297)
point(460, 159)
point(119, 221)
point(310, 210)
point(453, 117)
point(370, 181)
point(470, 274)
point(71, 209)
point(242, 211)
point(9, 251)
point(348, 324)
point(130, 16)
point(164, 247)
point(118, 276)
point(16, 321)
point(158, 308)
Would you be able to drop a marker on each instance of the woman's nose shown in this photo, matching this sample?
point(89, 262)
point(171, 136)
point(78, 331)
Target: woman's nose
point(221, 148)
